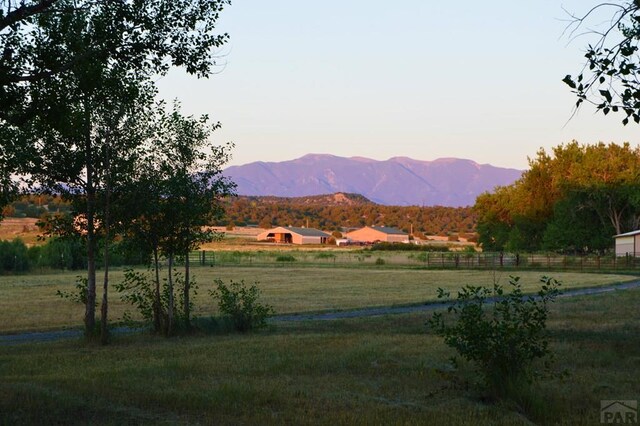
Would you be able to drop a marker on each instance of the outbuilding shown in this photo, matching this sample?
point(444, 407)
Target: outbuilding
point(628, 244)
point(371, 234)
point(294, 235)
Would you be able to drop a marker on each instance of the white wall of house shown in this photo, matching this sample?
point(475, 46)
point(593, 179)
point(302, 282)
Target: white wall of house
point(628, 245)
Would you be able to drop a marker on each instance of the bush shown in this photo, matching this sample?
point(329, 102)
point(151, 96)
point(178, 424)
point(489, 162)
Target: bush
point(285, 258)
point(384, 246)
point(62, 253)
point(14, 256)
point(380, 261)
point(502, 341)
point(239, 304)
point(138, 290)
point(325, 255)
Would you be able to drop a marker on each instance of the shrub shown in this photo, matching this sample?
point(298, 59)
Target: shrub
point(138, 290)
point(380, 261)
point(14, 256)
point(502, 341)
point(239, 304)
point(325, 255)
point(285, 258)
point(63, 253)
point(384, 246)
point(79, 295)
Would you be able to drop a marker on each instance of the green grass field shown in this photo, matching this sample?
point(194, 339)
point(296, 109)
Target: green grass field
point(29, 302)
point(383, 370)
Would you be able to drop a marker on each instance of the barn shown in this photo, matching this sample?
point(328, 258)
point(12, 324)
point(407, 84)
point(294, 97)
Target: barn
point(370, 234)
point(628, 244)
point(294, 235)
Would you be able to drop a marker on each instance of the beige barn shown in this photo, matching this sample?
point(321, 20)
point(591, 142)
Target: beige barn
point(294, 235)
point(370, 234)
point(628, 244)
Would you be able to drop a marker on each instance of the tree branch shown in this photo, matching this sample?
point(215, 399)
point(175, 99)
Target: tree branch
point(23, 12)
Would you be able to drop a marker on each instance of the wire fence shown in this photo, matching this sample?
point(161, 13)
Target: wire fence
point(435, 260)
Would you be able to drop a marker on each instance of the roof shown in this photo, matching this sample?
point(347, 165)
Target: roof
point(387, 230)
point(627, 234)
point(306, 232)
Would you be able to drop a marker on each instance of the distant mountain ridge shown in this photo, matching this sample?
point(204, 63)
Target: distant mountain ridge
point(398, 181)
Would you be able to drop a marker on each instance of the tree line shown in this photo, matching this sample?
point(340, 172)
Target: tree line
point(573, 199)
point(267, 212)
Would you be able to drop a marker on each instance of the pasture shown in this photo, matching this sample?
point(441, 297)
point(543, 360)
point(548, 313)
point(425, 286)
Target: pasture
point(383, 370)
point(29, 302)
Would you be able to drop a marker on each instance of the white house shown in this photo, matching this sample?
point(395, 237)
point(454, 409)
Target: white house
point(628, 244)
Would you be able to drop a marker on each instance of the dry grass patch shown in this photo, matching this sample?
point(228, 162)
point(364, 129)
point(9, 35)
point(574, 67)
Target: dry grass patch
point(23, 228)
point(29, 302)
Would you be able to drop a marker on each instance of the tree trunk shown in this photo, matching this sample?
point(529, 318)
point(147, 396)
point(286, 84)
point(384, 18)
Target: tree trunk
point(90, 308)
point(170, 308)
point(157, 303)
point(187, 289)
point(104, 309)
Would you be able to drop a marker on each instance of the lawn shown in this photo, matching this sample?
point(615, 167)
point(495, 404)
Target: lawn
point(29, 302)
point(383, 370)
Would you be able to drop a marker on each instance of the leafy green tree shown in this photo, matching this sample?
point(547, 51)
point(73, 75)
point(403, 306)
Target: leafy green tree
point(71, 77)
point(175, 193)
point(590, 181)
point(576, 228)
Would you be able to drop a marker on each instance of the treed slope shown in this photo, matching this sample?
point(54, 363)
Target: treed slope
point(337, 211)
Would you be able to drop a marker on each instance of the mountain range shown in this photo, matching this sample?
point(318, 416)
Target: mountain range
point(397, 181)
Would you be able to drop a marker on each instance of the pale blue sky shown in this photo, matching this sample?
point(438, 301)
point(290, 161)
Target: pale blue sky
point(417, 78)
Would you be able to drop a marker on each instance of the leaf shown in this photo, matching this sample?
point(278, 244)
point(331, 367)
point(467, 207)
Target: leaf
point(569, 81)
point(606, 94)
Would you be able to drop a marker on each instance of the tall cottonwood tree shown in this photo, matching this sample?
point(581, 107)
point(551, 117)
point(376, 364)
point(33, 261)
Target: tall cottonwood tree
point(71, 62)
point(599, 182)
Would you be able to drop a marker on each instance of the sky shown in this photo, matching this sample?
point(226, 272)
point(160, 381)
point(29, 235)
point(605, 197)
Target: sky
point(417, 78)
